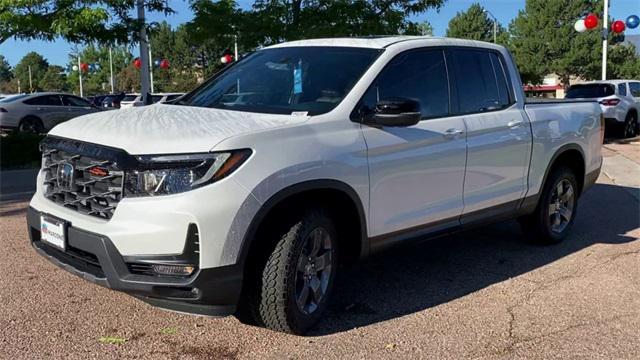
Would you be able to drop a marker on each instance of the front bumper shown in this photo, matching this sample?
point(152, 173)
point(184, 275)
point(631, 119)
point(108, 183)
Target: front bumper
point(211, 292)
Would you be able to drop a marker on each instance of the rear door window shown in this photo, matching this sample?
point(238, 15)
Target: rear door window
point(622, 89)
point(75, 101)
point(635, 89)
point(480, 81)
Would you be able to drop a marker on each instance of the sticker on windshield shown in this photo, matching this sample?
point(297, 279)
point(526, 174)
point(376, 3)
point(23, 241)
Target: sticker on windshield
point(297, 78)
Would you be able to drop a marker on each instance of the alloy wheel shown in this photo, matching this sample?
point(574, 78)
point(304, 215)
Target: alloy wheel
point(313, 270)
point(561, 206)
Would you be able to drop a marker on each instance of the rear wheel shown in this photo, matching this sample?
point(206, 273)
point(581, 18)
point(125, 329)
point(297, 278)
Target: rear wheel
point(630, 126)
point(297, 279)
point(556, 211)
point(31, 125)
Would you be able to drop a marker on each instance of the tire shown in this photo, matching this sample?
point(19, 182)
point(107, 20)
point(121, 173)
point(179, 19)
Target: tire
point(286, 300)
point(630, 127)
point(31, 125)
point(554, 216)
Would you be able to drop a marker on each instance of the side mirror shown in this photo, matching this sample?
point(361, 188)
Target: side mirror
point(395, 112)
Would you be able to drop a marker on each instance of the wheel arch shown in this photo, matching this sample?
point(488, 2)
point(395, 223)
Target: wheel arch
point(570, 155)
point(31, 116)
point(329, 192)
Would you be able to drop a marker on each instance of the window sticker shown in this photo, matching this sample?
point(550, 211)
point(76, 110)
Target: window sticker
point(297, 78)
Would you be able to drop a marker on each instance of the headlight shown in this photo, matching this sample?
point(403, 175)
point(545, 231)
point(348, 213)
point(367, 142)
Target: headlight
point(172, 174)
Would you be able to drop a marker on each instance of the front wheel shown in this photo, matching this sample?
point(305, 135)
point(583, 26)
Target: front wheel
point(556, 211)
point(298, 276)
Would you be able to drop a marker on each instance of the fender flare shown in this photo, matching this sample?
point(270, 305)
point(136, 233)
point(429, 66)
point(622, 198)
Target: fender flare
point(531, 202)
point(283, 194)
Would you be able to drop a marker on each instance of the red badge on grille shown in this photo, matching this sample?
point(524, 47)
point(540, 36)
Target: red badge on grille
point(98, 171)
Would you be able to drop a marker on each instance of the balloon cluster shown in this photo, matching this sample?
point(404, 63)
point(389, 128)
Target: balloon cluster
point(84, 67)
point(618, 26)
point(161, 63)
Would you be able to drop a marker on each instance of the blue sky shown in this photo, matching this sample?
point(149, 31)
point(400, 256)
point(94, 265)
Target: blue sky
point(505, 10)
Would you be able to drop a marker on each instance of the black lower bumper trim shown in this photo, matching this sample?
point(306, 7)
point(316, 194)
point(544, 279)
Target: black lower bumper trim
point(210, 292)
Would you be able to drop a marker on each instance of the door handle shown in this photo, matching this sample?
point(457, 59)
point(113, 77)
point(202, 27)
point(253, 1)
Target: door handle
point(515, 123)
point(452, 133)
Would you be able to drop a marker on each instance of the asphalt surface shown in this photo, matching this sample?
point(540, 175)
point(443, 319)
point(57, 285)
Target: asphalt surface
point(484, 294)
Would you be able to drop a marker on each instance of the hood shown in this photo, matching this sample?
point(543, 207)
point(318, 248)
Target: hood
point(167, 129)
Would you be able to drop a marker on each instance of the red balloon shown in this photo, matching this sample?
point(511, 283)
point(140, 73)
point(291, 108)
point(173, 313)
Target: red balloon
point(84, 67)
point(226, 59)
point(164, 63)
point(618, 26)
point(591, 21)
point(137, 63)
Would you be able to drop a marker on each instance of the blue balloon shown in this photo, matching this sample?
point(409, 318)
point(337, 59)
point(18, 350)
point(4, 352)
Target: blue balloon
point(633, 21)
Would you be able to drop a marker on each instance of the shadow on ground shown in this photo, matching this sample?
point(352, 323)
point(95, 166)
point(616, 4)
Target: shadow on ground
point(417, 277)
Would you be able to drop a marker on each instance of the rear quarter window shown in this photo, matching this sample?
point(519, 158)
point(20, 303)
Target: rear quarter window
point(635, 89)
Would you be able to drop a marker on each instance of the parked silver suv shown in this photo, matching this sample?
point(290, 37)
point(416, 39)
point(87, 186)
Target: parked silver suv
point(619, 100)
point(40, 112)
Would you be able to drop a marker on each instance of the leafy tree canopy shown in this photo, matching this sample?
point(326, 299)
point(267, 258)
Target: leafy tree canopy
point(475, 24)
point(543, 40)
point(54, 79)
point(76, 21)
point(5, 70)
point(35, 63)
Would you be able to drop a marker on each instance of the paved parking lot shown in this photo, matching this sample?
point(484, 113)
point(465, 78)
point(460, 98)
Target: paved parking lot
point(481, 294)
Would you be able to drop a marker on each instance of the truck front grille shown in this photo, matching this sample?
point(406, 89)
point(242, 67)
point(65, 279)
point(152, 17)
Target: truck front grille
point(88, 185)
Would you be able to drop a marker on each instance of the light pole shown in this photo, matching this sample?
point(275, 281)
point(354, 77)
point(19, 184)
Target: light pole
point(605, 39)
point(111, 69)
point(495, 25)
point(80, 75)
point(144, 54)
point(30, 81)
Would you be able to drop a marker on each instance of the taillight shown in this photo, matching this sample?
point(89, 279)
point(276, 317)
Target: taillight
point(610, 102)
point(3, 110)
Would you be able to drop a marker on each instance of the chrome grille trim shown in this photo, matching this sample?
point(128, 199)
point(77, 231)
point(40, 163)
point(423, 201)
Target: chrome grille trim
point(88, 194)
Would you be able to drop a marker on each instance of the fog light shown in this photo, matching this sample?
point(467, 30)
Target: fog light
point(180, 270)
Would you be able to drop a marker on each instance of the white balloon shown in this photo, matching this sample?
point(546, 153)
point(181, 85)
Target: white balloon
point(223, 59)
point(75, 67)
point(580, 26)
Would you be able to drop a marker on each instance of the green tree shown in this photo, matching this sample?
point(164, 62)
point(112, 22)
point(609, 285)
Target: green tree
point(474, 24)
point(54, 79)
point(97, 81)
point(622, 62)
point(73, 20)
point(35, 63)
point(5, 70)
point(280, 20)
point(543, 40)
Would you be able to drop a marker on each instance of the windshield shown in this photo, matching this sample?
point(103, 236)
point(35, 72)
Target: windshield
point(590, 91)
point(12, 98)
point(284, 80)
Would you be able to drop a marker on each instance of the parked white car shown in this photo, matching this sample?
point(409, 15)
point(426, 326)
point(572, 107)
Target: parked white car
point(130, 100)
point(224, 204)
point(134, 100)
point(619, 100)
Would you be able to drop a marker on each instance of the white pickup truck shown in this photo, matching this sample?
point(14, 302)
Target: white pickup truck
point(247, 195)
